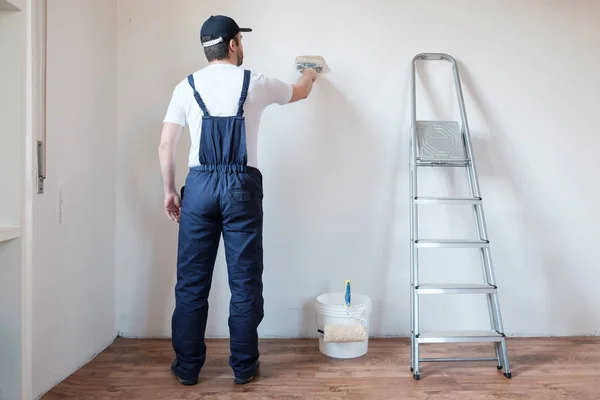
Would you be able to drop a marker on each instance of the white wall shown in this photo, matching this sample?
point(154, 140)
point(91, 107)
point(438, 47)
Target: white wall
point(73, 275)
point(12, 84)
point(335, 166)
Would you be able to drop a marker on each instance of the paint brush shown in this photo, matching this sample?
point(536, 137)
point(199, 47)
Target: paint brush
point(314, 62)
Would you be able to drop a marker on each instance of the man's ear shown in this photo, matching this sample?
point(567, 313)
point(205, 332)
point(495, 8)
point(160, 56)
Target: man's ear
point(232, 44)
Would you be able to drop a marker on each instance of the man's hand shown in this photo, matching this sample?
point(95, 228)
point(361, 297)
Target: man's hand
point(303, 87)
point(311, 73)
point(173, 206)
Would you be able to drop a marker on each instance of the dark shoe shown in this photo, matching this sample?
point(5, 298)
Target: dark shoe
point(187, 382)
point(243, 381)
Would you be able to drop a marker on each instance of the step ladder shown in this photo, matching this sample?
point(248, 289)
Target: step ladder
point(425, 151)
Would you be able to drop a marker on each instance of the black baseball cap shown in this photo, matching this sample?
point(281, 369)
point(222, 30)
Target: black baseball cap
point(220, 28)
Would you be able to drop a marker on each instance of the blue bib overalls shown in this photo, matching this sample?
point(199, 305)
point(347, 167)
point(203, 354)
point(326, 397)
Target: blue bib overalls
point(223, 195)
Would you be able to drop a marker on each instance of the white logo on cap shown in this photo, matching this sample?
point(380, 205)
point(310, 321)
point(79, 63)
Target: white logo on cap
point(212, 42)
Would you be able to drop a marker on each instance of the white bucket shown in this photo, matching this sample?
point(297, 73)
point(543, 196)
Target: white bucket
point(331, 310)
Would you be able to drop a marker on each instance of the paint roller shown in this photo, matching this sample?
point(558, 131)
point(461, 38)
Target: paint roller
point(347, 332)
point(314, 62)
point(344, 333)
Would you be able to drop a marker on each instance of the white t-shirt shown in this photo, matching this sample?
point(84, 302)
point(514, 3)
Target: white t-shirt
point(220, 86)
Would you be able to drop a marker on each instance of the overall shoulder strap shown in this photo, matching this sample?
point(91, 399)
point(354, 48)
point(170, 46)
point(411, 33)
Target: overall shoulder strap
point(197, 95)
point(245, 87)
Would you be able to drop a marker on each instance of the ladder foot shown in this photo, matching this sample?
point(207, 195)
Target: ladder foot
point(417, 377)
point(508, 375)
point(500, 367)
point(411, 369)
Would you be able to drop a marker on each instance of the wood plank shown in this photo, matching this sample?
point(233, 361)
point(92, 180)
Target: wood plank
point(543, 369)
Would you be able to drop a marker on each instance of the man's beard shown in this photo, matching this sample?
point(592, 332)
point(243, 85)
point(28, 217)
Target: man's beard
point(240, 59)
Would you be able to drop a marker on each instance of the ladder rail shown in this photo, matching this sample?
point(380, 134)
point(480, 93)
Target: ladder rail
point(414, 259)
point(486, 259)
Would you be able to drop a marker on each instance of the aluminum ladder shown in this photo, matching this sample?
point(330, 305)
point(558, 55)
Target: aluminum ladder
point(426, 151)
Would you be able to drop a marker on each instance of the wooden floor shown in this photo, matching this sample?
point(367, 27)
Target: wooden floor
point(543, 369)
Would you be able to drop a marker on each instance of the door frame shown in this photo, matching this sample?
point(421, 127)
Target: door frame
point(34, 116)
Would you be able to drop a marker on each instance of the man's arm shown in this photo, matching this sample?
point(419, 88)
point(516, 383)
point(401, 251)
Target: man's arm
point(274, 91)
point(303, 87)
point(166, 152)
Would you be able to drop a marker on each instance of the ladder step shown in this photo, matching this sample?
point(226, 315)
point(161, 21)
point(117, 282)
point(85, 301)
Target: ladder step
point(464, 359)
point(460, 337)
point(442, 163)
point(456, 288)
point(451, 243)
point(448, 200)
point(440, 140)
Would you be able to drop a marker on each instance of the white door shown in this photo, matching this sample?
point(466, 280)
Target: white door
point(73, 220)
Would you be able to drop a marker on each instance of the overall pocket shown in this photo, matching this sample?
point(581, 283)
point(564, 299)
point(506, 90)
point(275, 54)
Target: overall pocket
point(245, 194)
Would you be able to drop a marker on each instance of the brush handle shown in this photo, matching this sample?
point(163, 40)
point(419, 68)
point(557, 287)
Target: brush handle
point(347, 294)
point(302, 66)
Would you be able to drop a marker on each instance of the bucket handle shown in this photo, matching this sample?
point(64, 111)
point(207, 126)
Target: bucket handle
point(359, 318)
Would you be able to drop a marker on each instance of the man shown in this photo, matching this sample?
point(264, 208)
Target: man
point(222, 104)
